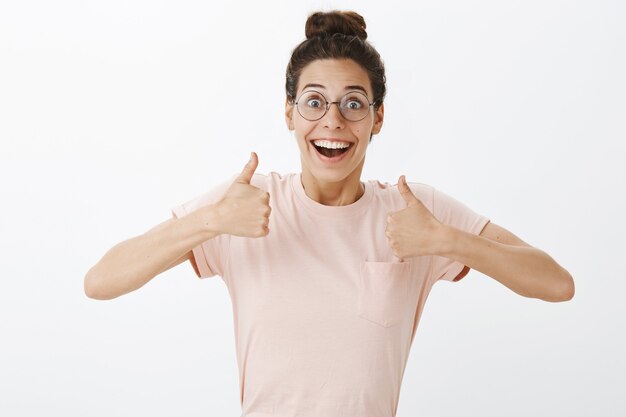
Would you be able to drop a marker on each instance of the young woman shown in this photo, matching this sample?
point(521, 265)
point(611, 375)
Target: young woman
point(328, 274)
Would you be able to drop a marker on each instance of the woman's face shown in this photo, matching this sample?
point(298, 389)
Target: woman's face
point(333, 78)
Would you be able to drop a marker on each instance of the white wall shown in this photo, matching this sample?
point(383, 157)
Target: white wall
point(113, 112)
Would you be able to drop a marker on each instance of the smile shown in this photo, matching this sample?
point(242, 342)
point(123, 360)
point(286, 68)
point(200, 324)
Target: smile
point(331, 151)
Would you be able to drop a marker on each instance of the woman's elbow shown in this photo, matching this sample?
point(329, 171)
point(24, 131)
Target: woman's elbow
point(568, 288)
point(92, 289)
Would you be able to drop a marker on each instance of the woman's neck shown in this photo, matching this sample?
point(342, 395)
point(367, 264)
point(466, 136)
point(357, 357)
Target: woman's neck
point(339, 193)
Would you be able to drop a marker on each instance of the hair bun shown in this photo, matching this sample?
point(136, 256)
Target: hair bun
point(328, 23)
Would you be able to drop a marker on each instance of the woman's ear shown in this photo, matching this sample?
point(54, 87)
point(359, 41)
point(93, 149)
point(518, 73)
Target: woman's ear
point(289, 114)
point(379, 115)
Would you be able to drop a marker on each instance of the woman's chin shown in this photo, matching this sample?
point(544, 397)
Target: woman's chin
point(330, 175)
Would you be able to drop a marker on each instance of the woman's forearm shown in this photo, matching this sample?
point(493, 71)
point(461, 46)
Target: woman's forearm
point(130, 264)
point(524, 269)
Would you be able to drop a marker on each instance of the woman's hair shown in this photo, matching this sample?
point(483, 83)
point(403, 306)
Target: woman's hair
point(336, 35)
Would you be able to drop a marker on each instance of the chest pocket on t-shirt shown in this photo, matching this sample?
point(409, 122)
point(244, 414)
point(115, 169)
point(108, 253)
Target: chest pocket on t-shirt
point(383, 292)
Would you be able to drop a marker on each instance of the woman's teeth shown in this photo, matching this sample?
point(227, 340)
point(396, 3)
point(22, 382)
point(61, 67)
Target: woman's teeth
point(331, 145)
point(331, 149)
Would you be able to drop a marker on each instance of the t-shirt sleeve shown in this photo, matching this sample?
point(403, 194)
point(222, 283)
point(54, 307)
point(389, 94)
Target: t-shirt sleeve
point(211, 255)
point(450, 211)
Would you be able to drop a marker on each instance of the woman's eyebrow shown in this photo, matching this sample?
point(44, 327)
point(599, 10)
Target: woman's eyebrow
point(349, 87)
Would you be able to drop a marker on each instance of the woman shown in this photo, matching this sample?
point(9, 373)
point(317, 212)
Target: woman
point(328, 274)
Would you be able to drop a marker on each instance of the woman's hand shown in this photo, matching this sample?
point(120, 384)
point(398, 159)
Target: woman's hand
point(413, 231)
point(244, 210)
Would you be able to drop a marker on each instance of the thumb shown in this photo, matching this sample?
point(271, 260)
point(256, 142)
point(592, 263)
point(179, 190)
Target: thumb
point(405, 192)
point(246, 175)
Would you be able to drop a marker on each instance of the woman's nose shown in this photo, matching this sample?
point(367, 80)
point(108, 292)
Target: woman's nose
point(333, 118)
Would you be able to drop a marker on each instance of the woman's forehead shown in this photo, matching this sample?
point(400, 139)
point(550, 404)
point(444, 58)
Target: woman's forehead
point(334, 76)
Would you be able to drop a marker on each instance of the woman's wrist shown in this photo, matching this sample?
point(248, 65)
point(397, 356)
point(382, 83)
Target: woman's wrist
point(446, 239)
point(208, 219)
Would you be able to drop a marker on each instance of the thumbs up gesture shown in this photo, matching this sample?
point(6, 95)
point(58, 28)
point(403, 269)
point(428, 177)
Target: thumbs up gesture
point(244, 209)
point(413, 231)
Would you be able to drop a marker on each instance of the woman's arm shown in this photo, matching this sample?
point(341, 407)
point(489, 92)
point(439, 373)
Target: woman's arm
point(244, 210)
point(130, 264)
point(496, 252)
point(500, 254)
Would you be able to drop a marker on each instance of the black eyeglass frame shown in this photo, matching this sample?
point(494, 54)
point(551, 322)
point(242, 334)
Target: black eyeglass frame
point(328, 103)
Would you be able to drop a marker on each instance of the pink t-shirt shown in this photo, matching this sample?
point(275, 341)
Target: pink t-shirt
point(324, 313)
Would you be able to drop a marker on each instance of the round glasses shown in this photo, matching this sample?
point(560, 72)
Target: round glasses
point(312, 105)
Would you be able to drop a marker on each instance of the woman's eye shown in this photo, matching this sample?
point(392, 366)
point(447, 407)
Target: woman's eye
point(314, 103)
point(354, 105)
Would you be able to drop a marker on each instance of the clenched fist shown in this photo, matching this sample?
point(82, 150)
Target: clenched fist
point(245, 210)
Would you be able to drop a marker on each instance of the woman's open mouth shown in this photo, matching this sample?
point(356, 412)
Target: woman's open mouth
point(331, 151)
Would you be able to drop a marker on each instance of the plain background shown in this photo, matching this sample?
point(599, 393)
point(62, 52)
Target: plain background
point(111, 113)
